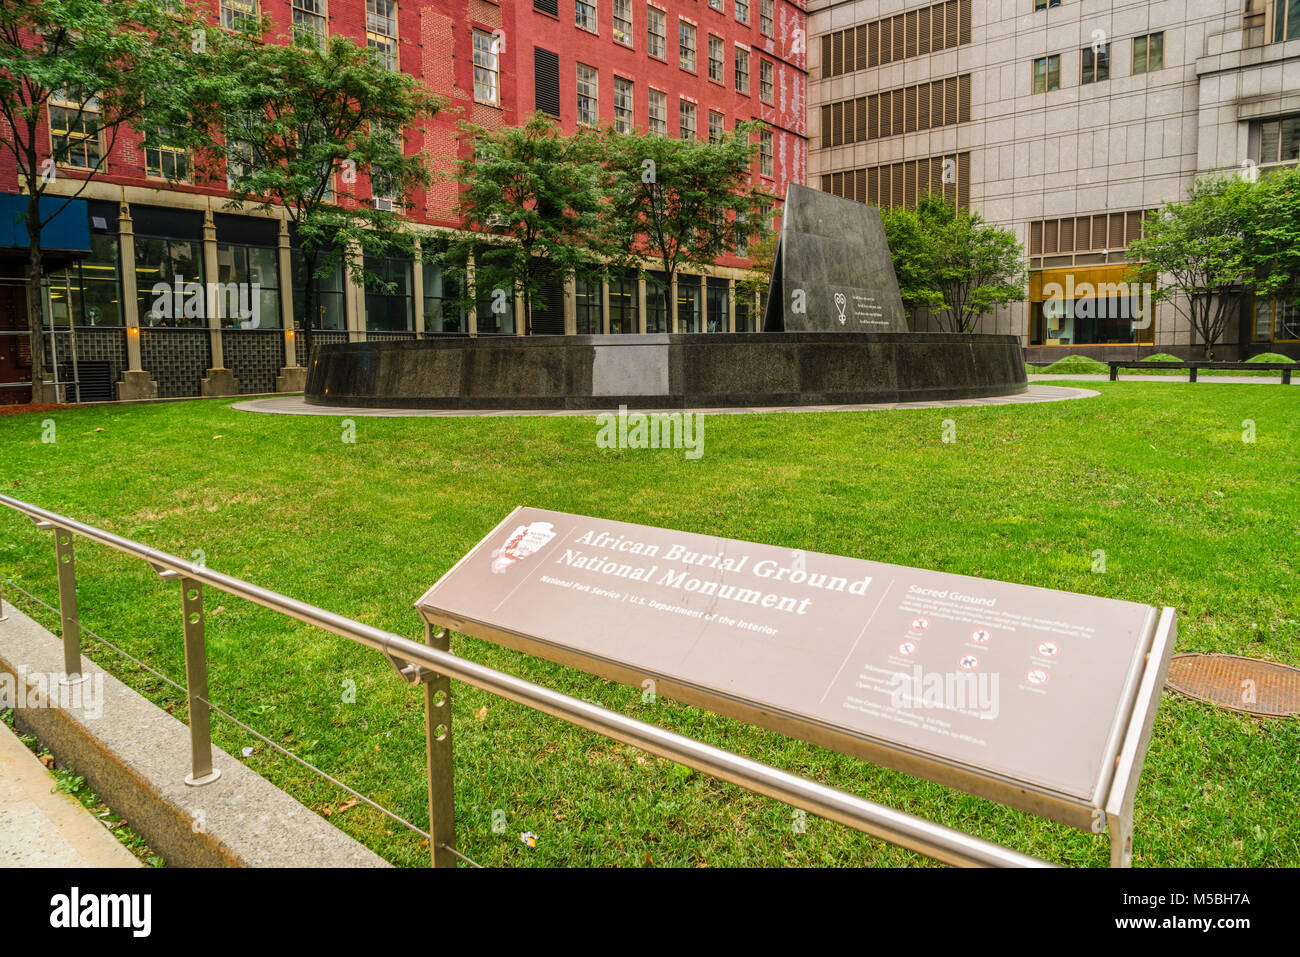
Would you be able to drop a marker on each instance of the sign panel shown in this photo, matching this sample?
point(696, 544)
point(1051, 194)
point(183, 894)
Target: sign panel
point(1011, 691)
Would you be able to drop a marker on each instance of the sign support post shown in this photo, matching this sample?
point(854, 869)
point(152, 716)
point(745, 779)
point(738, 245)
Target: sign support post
point(437, 733)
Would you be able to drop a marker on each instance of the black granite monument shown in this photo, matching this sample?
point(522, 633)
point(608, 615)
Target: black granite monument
point(833, 271)
point(834, 334)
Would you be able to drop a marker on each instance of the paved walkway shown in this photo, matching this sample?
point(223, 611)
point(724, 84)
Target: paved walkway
point(297, 405)
point(1274, 379)
point(42, 827)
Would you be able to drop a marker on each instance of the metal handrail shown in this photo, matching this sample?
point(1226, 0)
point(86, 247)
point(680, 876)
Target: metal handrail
point(411, 657)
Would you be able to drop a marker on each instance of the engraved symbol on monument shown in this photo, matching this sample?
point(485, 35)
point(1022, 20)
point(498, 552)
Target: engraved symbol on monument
point(841, 302)
point(523, 541)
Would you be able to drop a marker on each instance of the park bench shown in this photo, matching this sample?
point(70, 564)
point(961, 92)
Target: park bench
point(1193, 366)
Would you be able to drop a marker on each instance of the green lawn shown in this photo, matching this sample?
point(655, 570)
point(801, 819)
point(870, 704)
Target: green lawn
point(1155, 474)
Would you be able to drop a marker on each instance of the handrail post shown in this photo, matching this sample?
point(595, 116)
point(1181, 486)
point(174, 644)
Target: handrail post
point(196, 685)
point(68, 619)
point(442, 782)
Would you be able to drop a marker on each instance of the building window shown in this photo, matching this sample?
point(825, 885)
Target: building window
point(719, 310)
point(1149, 53)
point(381, 31)
point(623, 22)
point(74, 130)
point(248, 296)
point(656, 32)
point(742, 11)
point(487, 67)
point(584, 14)
point(588, 96)
point(389, 309)
point(327, 297)
point(87, 292)
point(765, 152)
point(624, 311)
point(765, 71)
point(589, 314)
point(658, 113)
point(176, 264)
point(623, 105)
point(1044, 4)
point(1286, 20)
point(742, 71)
point(686, 45)
point(546, 81)
point(1102, 312)
point(656, 302)
point(716, 5)
point(239, 14)
point(686, 119)
point(442, 289)
point(1277, 320)
point(717, 54)
point(1279, 140)
point(164, 161)
point(309, 22)
point(1096, 63)
point(765, 20)
point(688, 303)
point(715, 126)
point(940, 26)
point(1047, 73)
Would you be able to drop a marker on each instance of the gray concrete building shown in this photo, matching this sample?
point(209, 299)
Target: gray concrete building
point(1063, 120)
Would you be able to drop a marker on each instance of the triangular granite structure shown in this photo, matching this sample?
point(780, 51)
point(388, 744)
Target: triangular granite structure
point(833, 271)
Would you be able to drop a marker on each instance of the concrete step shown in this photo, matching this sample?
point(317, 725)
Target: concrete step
point(43, 827)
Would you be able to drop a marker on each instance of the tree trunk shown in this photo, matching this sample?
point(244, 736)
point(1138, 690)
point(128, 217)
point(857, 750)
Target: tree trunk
point(308, 294)
point(35, 259)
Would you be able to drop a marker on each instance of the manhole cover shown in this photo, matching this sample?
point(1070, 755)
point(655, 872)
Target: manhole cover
point(1240, 684)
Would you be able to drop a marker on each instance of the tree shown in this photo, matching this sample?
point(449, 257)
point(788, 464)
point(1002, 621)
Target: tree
point(90, 70)
point(762, 255)
point(1272, 235)
point(295, 121)
point(678, 202)
point(913, 260)
point(531, 204)
point(952, 263)
point(1197, 248)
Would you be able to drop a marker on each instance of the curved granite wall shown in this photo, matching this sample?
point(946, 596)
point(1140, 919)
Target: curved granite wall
point(665, 371)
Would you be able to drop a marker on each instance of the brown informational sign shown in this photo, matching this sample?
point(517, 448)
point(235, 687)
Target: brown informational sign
point(1013, 692)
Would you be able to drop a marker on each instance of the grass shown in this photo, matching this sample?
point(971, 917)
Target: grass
point(1155, 474)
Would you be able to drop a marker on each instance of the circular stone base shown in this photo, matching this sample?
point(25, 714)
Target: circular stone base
point(297, 405)
point(747, 370)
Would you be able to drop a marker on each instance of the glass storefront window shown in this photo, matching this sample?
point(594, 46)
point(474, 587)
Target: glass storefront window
point(391, 310)
point(624, 305)
point(587, 307)
point(248, 291)
point(688, 303)
point(656, 302)
point(717, 311)
point(169, 282)
point(89, 292)
point(441, 290)
point(496, 314)
point(327, 299)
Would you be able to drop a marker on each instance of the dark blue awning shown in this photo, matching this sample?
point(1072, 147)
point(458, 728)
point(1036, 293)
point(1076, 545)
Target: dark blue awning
point(68, 231)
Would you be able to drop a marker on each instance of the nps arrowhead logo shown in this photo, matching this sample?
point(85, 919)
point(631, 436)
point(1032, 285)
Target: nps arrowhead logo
point(522, 542)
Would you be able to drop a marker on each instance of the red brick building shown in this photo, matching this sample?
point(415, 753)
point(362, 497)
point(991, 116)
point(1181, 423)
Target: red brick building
point(680, 67)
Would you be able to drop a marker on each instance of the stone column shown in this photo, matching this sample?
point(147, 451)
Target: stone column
point(218, 380)
point(641, 301)
point(570, 305)
point(704, 304)
point(136, 383)
point(292, 377)
point(731, 305)
point(604, 305)
point(473, 306)
point(417, 288)
point(520, 318)
point(354, 299)
point(672, 305)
